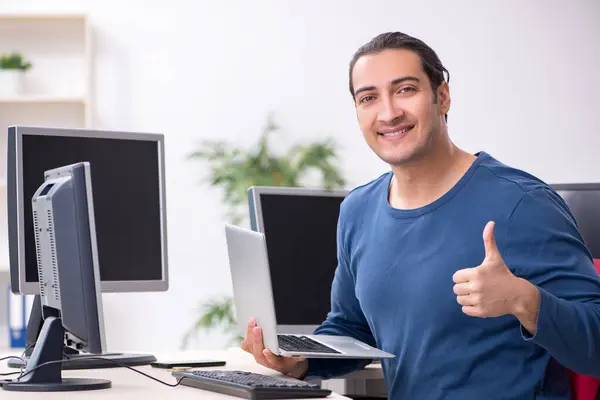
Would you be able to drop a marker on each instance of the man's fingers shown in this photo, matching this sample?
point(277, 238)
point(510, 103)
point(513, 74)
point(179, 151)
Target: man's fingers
point(462, 289)
point(247, 343)
point(258, 347)
point(281, 363)
point(250, 327)
point(465, 300)
point(260, 353)
point(463, 275)
point(276, 361)
point(472, 311)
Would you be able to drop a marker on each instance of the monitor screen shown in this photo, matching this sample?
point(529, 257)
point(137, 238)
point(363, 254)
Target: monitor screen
point(584, 202)
point(127, 185)
point(300, 228)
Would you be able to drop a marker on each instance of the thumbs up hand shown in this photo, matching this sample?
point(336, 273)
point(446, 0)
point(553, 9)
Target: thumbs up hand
point(490, 289)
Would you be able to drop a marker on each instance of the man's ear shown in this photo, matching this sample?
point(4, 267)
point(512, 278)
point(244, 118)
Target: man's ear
point(443, 95)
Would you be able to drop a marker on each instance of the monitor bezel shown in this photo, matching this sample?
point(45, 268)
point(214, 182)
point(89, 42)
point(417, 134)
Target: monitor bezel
point(254, 193)
point(576, 186)
point(256, 216)
point(18, 266)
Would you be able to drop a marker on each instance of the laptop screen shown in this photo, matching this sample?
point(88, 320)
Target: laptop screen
point(300, 232)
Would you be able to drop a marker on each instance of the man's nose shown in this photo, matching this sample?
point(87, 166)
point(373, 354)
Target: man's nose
point(389, 111)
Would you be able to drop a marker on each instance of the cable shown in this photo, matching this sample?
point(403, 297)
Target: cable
point(33, 344)
point(10, 357)
point(27, 348)
point(12, 373)
point(91, 358)
point(24, 361)
point(24, 354)
point(135, 370)
point(9, 374)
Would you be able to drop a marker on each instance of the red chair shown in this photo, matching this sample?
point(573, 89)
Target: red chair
point(585, 387)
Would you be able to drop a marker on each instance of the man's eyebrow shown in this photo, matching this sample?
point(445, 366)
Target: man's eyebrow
point(394, 82)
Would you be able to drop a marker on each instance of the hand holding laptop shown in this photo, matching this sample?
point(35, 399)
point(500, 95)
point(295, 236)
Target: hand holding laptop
point(253, 295)
point(253, 344)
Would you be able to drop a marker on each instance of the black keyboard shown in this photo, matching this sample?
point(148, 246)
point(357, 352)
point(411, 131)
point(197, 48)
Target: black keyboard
point(249, 385)
point(303, 344)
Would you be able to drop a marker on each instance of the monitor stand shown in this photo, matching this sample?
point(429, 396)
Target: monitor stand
point(44, 372)
point(78, 359)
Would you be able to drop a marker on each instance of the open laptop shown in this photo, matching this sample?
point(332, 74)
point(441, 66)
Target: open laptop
point(253, 298)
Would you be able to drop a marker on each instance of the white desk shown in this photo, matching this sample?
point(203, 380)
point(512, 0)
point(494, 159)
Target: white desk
point(127, 384)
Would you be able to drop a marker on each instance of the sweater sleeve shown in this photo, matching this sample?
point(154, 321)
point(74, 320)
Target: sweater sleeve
point(344, 319)
point(545, 247)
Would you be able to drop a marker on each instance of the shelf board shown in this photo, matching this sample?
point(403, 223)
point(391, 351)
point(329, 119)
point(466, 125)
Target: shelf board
point(42, 17)
point(39, 99)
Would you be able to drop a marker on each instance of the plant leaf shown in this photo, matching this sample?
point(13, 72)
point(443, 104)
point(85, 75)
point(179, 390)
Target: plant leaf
point(233, 170)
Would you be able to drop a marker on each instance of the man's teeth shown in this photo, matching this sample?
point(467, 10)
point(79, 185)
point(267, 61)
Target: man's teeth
point(397, 133)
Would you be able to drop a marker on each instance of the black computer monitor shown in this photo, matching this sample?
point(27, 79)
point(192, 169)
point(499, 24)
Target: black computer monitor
point(300, 227)
point(67, 257)
point(584, 201)
point(128, 173)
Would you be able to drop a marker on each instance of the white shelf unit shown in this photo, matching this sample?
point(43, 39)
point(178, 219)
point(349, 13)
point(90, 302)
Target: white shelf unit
point(42, 99)
point(56, 90)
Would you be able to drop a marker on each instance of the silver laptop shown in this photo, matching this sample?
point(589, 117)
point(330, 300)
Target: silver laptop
point(253, 298)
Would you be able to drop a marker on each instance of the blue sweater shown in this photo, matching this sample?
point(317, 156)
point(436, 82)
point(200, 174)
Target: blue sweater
point(393, 289)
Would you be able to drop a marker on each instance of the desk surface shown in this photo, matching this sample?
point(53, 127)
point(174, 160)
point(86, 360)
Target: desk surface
point(127, 384)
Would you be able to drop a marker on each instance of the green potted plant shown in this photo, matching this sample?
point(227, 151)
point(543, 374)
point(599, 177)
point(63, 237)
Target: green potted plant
point(234, 170)
point(12, 68)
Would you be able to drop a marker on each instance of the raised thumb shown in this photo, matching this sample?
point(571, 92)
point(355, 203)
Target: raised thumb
point(491, 250)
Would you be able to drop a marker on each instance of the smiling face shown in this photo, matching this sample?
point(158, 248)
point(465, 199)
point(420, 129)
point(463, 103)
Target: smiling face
point(397, 110)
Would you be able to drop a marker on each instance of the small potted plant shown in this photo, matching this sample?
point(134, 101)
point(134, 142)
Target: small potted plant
point(12, 68)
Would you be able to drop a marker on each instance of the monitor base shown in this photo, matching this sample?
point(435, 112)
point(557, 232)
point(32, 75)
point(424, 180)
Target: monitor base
point(34, 326)
point(85, 361)
point(43, 372)
point(67, 385)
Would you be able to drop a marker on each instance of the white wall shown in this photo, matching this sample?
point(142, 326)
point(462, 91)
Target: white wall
point(524, 85)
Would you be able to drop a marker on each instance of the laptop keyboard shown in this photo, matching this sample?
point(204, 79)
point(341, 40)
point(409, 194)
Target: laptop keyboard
point(303, 344)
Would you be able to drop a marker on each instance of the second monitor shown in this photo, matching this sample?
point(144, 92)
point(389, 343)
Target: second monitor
point(128, 173)
point(300, 227)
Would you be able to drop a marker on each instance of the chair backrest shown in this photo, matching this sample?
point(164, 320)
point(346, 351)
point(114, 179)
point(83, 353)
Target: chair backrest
point(585, 387)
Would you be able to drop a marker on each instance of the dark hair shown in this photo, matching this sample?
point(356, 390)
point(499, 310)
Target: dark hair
point(430, 62)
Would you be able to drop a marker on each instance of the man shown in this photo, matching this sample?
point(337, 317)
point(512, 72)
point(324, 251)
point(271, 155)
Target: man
point(471, 272)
